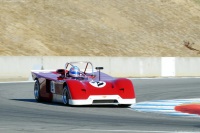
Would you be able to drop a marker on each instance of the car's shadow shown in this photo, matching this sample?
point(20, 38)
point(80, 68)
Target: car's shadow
point(77, 106)
point(25, 100)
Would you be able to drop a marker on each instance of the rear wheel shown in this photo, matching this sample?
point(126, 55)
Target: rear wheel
point(65, 96)
point(37, 91)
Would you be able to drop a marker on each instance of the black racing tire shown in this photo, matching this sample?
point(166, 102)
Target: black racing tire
point(124, 105)
point(65, 96)
point(37, 91)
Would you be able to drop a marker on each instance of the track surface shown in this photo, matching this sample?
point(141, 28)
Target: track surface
point(20, 113)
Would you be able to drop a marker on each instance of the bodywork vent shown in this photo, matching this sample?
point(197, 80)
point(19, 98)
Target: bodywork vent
point(105, 101)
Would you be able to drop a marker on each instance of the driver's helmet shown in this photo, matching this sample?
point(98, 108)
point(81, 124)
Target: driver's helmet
point(74, 71)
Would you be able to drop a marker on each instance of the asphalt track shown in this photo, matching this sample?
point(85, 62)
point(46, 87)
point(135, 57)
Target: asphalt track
point(20, 113)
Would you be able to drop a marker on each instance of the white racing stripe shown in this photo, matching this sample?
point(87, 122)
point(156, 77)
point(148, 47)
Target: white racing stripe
point(165, 107)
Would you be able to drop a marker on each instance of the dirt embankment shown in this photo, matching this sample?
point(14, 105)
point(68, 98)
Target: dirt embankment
point(100, 27)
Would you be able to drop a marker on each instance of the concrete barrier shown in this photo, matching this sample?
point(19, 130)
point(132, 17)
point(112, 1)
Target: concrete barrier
point(14, 67)
point(168, 66)
point(189, 66)
point(135, 67)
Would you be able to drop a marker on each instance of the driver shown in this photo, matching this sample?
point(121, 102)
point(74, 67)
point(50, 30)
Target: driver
point(74, 72)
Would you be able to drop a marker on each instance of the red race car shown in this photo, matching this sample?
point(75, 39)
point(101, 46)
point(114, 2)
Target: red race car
point(75, 86)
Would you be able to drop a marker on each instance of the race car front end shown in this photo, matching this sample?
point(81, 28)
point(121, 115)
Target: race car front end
point(114, 92)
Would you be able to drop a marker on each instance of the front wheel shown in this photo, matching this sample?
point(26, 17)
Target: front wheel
point(37, 91)
point(65, 96)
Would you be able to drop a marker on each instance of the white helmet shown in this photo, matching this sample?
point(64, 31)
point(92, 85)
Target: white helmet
point(74, 71)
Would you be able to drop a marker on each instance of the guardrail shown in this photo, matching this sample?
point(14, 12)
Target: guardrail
point(21, 66)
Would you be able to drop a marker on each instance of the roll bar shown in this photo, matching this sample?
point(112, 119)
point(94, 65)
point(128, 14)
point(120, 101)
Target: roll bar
point(79, 62)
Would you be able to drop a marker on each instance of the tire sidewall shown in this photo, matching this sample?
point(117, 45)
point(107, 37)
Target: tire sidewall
point(65, 96)
point(37, 91)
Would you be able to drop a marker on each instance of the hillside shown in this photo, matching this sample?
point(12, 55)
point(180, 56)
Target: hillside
point(99, 27)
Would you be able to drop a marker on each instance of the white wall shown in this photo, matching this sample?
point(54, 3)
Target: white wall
point(189, 66)
point(20, 66)
point(17, 67)
point(135, 66)
point(168, 66)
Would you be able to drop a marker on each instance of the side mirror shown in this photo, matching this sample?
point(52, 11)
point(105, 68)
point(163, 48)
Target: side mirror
point(99, 68)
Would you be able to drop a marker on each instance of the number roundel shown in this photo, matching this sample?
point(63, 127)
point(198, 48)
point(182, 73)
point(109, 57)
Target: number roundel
point(98, 84)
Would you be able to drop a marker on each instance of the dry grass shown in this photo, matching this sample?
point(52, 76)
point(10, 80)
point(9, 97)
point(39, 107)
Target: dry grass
point(99, 27)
